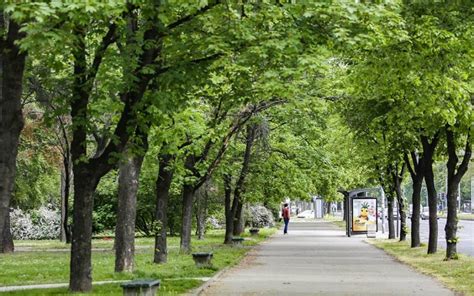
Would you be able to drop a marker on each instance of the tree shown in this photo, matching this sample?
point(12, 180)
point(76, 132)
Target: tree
point(144, 43)
point(412, 95)
point(12, 64)
point(233, 207)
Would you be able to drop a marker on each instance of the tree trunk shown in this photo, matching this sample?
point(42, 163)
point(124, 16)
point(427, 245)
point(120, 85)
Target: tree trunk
point(187, 208)
point(402, 213)
point(7, 245)
point(239, 220)
point(229, 217)
point(81, 268)
point(12, 64)
point(391, 226)
point(433, 209)
point(398, 178)
point(163, 184)
point(239, 226)
point(451, 222)
point(416, 174)
point(415, 216)
point(428, 154)
point(454, 178)
point(129, 173)
point(201, 211)
point(186, 221)
point(65, 235)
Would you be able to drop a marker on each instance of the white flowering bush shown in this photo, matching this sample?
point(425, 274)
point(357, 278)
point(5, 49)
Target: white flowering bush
point(43, 223)
point(259, 216)
point(213, 223)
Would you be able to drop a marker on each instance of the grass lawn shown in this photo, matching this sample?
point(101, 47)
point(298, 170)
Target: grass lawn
point(461, 216)
point(458, 275)
point(42, 262)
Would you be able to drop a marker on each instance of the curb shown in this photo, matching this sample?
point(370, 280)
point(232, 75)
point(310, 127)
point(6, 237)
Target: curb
point(217, 276)
point(208, 283)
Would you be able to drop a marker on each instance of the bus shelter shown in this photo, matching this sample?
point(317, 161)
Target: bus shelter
point(360, 212)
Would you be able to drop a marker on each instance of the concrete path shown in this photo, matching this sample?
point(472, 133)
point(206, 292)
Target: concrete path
point(317, 259)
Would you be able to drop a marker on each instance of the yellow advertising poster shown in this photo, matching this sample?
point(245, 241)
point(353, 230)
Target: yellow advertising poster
point(364, 212)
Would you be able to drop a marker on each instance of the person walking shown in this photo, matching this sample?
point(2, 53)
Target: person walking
point(285, 213)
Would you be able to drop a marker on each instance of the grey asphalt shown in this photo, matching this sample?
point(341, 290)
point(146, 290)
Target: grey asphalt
point(465, 233)
point(315, 258)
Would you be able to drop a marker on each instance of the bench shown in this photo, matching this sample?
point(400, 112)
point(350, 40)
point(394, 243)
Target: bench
point(202, 259)
point(143, 287)
point(254, 231)
point(237, 241)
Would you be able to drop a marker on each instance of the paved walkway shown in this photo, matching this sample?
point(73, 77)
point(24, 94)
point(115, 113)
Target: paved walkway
point(317, 259)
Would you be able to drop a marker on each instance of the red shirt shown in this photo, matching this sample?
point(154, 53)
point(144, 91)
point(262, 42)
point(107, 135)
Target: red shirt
point(286, 213)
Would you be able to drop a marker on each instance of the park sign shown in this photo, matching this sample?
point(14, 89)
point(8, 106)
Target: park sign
point(364, 213)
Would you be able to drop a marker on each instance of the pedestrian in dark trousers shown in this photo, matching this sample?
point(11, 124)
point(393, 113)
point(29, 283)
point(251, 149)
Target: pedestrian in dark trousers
point(285, 213)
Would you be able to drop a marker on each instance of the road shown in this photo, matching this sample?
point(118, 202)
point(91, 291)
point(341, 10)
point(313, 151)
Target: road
point(465, 234)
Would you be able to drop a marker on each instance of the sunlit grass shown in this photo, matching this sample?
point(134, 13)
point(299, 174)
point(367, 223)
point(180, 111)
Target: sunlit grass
point(458, 275)
point(49, 263)
point(461, 216)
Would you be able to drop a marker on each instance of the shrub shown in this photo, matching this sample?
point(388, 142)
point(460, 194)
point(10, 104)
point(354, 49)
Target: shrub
point(259, 216)
point(43, 223)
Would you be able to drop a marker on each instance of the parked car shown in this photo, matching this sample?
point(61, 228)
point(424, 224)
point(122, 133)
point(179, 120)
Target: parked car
point(306, 214)
point(426, 216)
